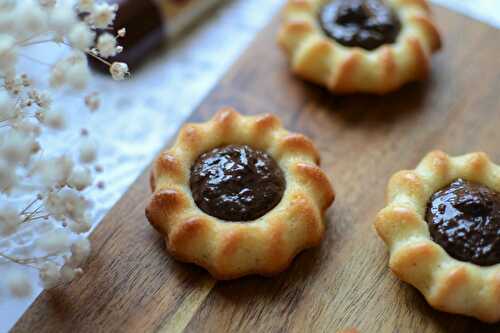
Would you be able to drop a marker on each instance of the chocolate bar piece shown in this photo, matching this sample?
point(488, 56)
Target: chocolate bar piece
point(148, 24)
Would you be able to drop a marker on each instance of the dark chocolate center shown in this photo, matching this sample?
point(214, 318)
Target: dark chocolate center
point(464, 218)
point(364, 23)
point(236, 183)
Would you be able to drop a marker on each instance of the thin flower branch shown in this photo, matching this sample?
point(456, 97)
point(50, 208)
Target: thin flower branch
point(30, 204)
point(36, 42)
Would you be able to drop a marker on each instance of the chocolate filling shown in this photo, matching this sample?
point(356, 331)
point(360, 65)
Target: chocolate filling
point(364, 23)
point(236, 183)
point(464, 218)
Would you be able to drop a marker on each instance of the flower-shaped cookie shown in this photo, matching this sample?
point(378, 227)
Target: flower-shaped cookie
point(239, 195)
point(371, 46)
point(442, 227)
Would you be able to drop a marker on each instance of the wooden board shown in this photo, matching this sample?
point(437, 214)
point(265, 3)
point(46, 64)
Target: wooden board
point(132, 285)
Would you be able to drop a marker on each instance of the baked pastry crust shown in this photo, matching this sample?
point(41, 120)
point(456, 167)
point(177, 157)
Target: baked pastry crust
point(448, 284)
point(316, 57)
point(230, 250)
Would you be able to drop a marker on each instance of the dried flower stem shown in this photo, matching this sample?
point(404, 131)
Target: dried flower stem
point(29, 206)
point(88, 52)
point(37, 42)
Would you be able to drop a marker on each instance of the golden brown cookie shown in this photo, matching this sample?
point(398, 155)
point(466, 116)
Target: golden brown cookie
point(441, 225)
point(239, 195)
point(348, 46)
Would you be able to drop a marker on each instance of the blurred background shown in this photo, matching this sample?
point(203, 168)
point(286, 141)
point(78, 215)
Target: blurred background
point(138, 116)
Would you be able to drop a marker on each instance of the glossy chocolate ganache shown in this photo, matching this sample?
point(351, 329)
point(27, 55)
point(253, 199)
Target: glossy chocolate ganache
point(236, 183)
point(464, 218)
point(364, 23)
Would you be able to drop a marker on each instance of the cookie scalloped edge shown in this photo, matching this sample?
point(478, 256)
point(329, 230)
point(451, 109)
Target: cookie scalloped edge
point(317, 58)
point(230, 250)
point(447, 284)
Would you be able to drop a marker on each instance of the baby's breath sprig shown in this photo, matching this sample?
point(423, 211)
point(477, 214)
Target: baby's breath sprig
point(44, 209)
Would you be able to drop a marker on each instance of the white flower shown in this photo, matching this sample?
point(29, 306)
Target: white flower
point(67, 203)
point(8, 53)
point(58, 74)
point(122, 32)
point(50, 275)
point(27, 127)
point(92, 101)
point(69, 273)
point(85, 6)
point(72, 70)
point(9, 219)
point(80, 250)
point(103, 14)
point(62, 18)
point(81, 36)
point(7, 20)
point(54, 242)
point(118, 70)
point(43, 100)
point(54, 118)
point(18, 283)
point(77, 71)
point(80, 178)
point(17, 147)
point(8, 177)
point(77, 75)
point(87, 151)
point(75, 205)
point(106, 44)
point(32, 19)
point(53, 171)
point(79, 227)
point(7, 110)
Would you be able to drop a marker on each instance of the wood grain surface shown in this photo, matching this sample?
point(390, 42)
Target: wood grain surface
point(132, 285)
